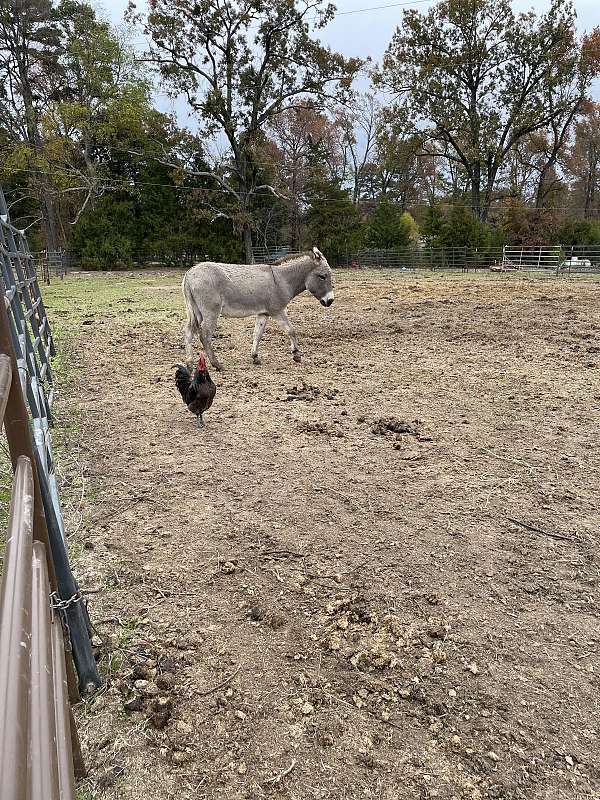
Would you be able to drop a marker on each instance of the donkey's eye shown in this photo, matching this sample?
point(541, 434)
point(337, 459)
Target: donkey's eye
point(322, 277)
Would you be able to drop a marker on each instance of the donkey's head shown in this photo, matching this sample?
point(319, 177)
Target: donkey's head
point(320, 281)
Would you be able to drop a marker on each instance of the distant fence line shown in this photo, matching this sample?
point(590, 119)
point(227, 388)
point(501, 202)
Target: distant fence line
point(427, 258)
point(59, 263)
point(561, 259)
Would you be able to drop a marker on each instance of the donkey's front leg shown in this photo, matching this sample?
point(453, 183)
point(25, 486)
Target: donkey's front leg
point(259, 329)
point(283, 320)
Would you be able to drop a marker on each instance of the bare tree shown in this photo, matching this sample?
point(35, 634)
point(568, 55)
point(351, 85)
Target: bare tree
point(240, 65)
point(298, 135)
point(481, 78)
point(582, 163)
point(358, 128)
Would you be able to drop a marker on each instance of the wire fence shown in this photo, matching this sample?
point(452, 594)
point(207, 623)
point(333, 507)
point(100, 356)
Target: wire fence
point(558, 259)
point(264, 254)
point(427, 258)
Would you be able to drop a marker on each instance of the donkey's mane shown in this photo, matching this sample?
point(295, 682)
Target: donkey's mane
point(290, 257)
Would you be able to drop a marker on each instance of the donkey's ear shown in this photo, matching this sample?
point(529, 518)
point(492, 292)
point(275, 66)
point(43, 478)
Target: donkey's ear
point(318, 255)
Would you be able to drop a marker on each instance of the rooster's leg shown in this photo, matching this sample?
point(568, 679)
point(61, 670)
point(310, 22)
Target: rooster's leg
point(199, 421)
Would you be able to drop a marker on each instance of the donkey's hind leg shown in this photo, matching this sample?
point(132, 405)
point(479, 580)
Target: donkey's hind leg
point(284, 322)
point(259, 329)
point(188, 336)
point(206, 333)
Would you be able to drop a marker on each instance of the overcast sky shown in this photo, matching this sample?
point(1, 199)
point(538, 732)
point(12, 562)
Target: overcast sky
point(367, 33)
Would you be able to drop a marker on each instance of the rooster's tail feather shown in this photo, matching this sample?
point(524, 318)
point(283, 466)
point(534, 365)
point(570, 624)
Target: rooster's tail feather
point(183, 379)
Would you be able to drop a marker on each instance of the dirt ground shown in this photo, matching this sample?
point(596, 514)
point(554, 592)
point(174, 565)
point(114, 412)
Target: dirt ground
point(308, 599)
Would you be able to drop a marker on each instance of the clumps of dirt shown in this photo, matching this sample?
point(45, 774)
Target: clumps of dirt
point(149, 688)
point(303, 391)
point(308, 393)
point(320, 428)
point(371, 642)
point(230, 567)
point(385, 425)
point(397, 658)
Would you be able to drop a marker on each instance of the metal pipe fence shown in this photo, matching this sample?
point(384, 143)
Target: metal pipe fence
point(37, 734)
point(559, 259)
point(59, 263)
point(562, 259)
point(39, 597)
point(25, 334)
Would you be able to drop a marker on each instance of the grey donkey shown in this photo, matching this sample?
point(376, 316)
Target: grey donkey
point(211, 289)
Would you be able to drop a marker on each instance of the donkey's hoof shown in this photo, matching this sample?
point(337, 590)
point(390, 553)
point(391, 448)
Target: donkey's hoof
point(256, 361)
point(297, 357)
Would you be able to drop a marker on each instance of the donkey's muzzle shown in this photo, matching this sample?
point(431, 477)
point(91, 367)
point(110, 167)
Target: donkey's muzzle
point(327, 300)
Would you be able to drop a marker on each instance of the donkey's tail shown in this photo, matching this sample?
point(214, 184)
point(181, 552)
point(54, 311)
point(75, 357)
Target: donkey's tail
point(193, 311)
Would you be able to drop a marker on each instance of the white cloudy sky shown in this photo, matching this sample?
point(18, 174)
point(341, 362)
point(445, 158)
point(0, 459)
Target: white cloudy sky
point(367, 33)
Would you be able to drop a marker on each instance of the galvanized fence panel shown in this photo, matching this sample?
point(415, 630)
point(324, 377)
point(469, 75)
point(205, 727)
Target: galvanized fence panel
point(263, 254)
point(25, 333)
point(53, 263)
point(39, 598)
point(15, 618)
point(433, 259)
point(557, 259)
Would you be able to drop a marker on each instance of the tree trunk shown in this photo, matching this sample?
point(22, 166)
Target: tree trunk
point(591, 180)
point(541, 188)
point(295, 227)
point(295, 215)
point(476, 189)
point(247, 239)
point(49, 217)
point(542, 191)
point(493, 167)
point(34, 139)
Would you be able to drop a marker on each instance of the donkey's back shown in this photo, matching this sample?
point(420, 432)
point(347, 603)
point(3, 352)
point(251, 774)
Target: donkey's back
point(233, 290)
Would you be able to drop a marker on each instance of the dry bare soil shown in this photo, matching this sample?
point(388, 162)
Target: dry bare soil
point(307, 599)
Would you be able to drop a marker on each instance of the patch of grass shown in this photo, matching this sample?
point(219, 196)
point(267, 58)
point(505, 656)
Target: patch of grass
point(127, 634)
point(123, 298)
point(114, 663)
point(75, 549)
point(6, 478)
point(84, 793)
point(63, 362)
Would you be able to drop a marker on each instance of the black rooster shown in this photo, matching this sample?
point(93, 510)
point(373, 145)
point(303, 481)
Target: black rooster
point(198, 391)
